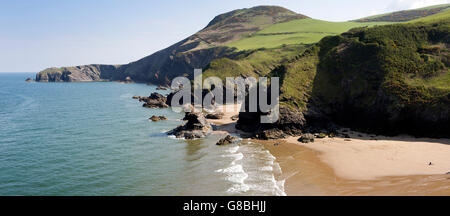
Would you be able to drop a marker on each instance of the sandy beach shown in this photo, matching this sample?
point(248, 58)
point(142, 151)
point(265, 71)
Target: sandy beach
point(360, 165)
point(366, 158)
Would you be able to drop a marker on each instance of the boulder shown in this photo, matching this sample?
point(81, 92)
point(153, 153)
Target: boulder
point(195, 127)
point(155, 100)
point(306, 138)
point(271, 134)
point(235, 117)
point(227, 140)
point(29, 80)
point(215, 115)
point(157, 118)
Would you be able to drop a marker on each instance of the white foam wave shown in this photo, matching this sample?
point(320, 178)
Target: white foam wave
point(232, 169)
point(238, 188)
point(266, 168)
point(174, 137)
point(233, 149)
point(237, 157)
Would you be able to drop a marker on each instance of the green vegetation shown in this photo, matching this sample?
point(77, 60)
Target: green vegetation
point(406, 15)
point(301, 31)
point(254, 63)
point(434, 18)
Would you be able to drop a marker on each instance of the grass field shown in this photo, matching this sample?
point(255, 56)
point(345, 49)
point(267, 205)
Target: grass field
point(302, 31)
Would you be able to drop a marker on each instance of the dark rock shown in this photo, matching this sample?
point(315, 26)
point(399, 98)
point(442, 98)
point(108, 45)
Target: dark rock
point(157, 96)
point(348, 140)
point(448, 173)
point(290, 122)
point(155, 100)
point(157, 118)
point(195, 127)
point(344, 135)
point(271, 134)
point(161, 88)
point(29, 80)
point(227, 140)
point(137, 97)
point(306, 138)
point(235, 117)
point(216, 115)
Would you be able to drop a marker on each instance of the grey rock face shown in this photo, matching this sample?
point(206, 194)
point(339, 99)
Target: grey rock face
point(85, 73)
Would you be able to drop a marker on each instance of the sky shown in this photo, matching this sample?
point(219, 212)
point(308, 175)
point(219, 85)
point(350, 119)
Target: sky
point(35, 35)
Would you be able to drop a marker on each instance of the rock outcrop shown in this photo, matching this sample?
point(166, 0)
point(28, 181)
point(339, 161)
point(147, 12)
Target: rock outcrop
point(158, 118)
point(195, 127)
point(85, 73)
point(228, 140)
point(306, 138)
point(290, 122)
point(215, 115)
point(156, 100)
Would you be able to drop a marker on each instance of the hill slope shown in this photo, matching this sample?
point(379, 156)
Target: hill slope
point(304, 31)
point(406, 15)
point(181, 58)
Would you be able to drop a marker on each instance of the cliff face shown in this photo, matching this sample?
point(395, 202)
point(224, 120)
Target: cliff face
point(83, 73)
point(180, 59)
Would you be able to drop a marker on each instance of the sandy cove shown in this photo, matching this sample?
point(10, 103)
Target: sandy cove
point(362, 165)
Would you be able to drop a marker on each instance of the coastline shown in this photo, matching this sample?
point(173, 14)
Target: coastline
point(362, 165)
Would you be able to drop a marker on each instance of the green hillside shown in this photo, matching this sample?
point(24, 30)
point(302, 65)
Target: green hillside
point(302, 31)
point(253, 63)
point(406, 15)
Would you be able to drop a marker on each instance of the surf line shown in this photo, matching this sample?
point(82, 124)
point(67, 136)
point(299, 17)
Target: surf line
point(194, 206)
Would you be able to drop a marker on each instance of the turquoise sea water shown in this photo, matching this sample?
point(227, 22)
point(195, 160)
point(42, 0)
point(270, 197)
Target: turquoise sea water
point(94, 139)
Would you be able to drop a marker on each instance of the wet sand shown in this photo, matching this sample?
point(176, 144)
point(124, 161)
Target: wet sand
point(362, 165)
point(307, 174)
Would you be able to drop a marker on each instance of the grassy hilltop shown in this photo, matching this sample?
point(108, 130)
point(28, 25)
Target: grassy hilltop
point(304, 31)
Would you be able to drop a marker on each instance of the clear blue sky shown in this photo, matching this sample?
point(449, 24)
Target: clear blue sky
point(35, 35)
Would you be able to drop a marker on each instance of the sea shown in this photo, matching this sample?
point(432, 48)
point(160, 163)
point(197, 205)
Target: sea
point(92, 138)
